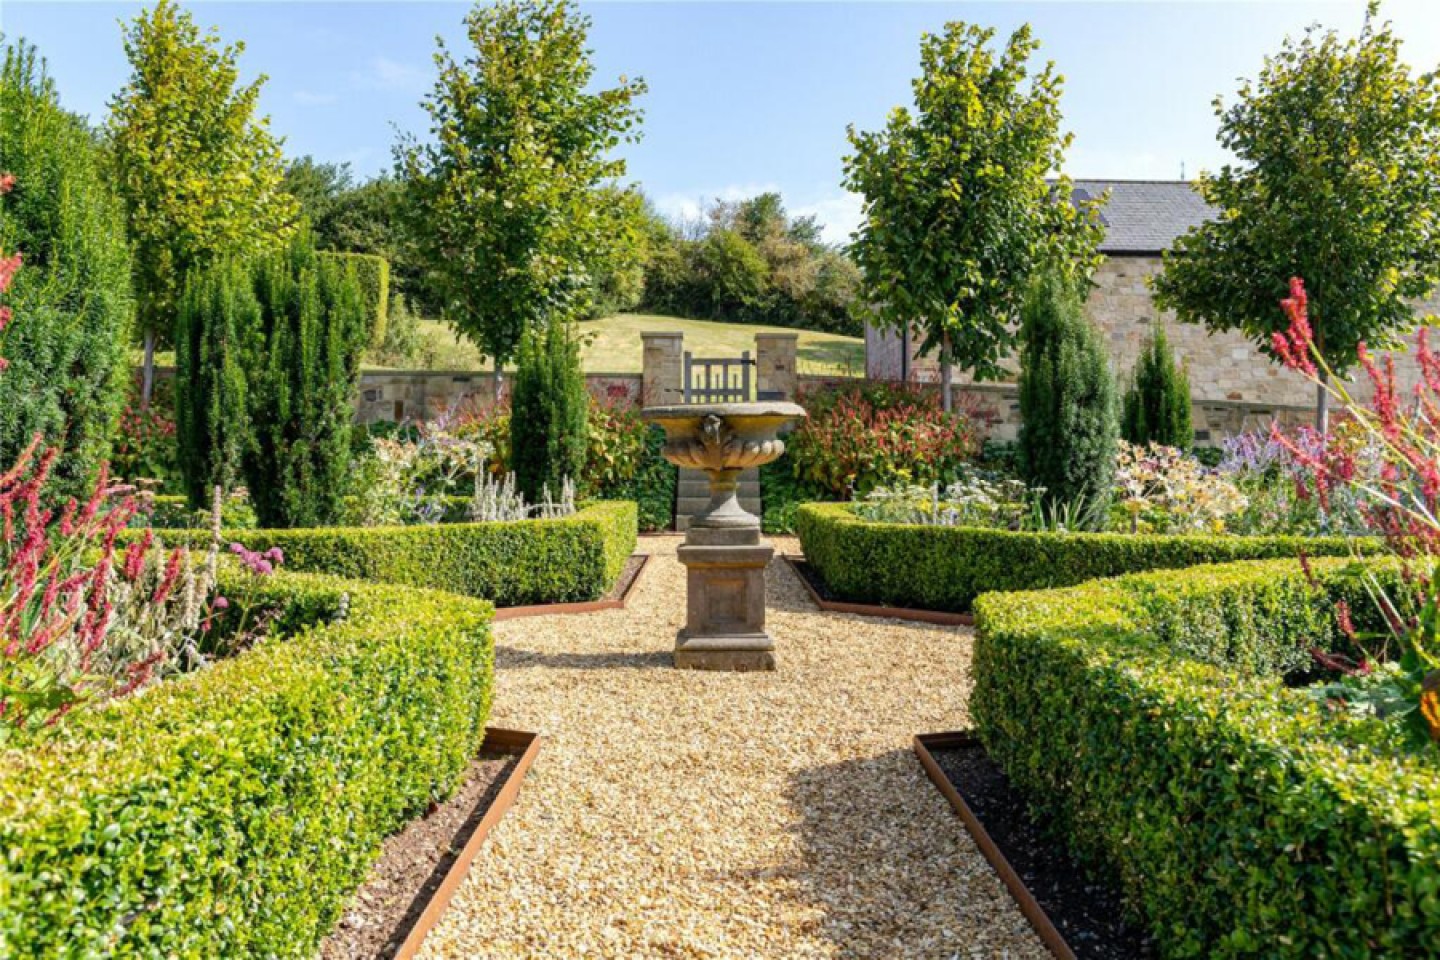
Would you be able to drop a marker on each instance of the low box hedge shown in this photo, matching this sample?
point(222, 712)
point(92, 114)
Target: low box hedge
point(1147, 720)
point(232, 812)
point(572, 559)
point(946, 568)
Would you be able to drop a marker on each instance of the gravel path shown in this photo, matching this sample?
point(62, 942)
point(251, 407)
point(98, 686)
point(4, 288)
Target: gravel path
point(690, 814)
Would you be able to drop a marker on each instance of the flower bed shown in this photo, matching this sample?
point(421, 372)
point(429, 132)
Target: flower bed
point(1149, 720)
point(564, 560)
point(232, 812)
point(946, 568)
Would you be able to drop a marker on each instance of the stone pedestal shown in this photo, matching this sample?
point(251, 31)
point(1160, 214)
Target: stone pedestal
point(725, 601)
point(724, 557)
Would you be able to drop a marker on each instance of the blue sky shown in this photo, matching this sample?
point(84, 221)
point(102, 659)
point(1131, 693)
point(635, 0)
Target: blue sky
point(743, 96)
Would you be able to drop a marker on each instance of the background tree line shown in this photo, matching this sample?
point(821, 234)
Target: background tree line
point(746, 261)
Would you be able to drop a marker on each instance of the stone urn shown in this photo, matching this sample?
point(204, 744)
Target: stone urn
point(723, 553)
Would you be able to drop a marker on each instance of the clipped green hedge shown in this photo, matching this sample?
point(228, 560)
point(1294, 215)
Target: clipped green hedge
point(1148, 721)
point(946, 568)
point(372, 272)
point(232, 812)
point(510, 564)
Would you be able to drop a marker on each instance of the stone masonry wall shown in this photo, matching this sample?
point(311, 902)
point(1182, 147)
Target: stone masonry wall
point(1230, 380)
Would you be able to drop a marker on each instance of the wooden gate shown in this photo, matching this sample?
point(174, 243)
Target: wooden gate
point(718, 379)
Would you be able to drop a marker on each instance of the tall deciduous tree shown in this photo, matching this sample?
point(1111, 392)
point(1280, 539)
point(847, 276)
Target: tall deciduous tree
point(199, 172)
point(505, 198)
point(958, 210)
point(1338, 182)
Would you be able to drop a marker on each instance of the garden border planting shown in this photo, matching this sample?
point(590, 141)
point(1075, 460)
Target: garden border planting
point(526, 745)
point(233, 811)
point(568, 560)
point(805, 573)
point(1148, 719)
point(946, 568)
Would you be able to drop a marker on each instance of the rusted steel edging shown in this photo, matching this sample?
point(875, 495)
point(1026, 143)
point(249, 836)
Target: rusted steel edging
point(942, 618)
point(1029, 906)
point(582, 606)
point(527, 745)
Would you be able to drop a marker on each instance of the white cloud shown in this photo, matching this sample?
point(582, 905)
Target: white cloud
point(382, 73)
point(310, 99)
point(838, 213)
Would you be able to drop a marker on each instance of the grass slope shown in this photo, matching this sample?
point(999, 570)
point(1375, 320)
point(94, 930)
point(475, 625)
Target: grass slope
point(614, 345)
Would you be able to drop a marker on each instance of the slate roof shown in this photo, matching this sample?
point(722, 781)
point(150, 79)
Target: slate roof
point(1145, 216)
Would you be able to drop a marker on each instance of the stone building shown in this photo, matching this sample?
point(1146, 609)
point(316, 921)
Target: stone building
point(1234, 386)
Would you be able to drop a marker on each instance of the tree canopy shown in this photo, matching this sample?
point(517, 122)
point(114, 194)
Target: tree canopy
point(958, 208)
point(1337, 181)
point(505, 197)
point(199, 172)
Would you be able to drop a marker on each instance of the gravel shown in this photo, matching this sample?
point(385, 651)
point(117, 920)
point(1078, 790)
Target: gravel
point(693, 814)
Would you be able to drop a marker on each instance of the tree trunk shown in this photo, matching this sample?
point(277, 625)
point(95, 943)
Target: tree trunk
point(945, 398)
point(495, 385)
point(1322, 404)
point(147, 375)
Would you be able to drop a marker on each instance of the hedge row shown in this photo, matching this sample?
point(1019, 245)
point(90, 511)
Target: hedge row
point(1147, 719)
point(372, 272)
point(510, 564)
point(946, 568)
point(232, 812)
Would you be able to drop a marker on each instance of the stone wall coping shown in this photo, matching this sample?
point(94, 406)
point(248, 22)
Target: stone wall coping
point(777, 336)
point(662, 335)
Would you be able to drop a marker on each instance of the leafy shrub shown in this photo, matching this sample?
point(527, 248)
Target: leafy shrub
point(1157, 404)
point(879, 434)
point(303, 383)
point(623, 459)
point(946, 568)
point(1068, 424)
point(414, 478)
point(402, 335)
point(549, 402)
point(68, 358)
point(373, 274)
point(1161, 490)
point(217, 321)
point(174, 513)
point(233, 812)
point(1271, 472)
point(145, 450)
point(652, 483)
point(1148, 721)
point(511, 564)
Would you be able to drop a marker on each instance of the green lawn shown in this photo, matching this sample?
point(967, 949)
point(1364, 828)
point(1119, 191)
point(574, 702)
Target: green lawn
point(613, 345)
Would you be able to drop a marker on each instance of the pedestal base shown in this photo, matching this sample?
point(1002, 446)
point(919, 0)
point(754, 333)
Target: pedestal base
point(725, 602)
point(739, 654)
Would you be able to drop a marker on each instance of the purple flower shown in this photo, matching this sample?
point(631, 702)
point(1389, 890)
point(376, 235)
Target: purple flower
point(260, 564)
point(221, 603)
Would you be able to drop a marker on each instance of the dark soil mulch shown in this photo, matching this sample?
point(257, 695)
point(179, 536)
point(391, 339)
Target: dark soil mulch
point(412, 865)
point(633, 563)
point(812, 576)
point(1087, 913)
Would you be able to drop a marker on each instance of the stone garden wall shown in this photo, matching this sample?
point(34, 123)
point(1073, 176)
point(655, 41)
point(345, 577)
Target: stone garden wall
point(1231, 381)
